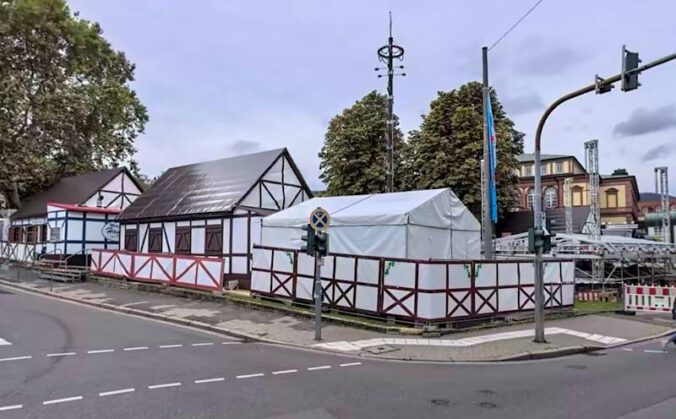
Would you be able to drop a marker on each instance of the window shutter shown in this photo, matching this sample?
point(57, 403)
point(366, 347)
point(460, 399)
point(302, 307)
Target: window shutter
point(214, 240)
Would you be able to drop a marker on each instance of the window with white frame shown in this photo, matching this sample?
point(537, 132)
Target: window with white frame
point(528, 170)
point(558, 167)
point(550, 197)
point(530, 198)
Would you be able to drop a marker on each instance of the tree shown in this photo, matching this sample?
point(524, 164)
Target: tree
point(65, 103)
point(448, 148)
point(354, 155)
point(620, 172)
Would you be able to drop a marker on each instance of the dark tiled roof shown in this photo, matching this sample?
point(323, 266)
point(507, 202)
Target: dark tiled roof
point(72, 190)
point(202, 188)
point(526, 157)
point(651, 196)
point(520, 221)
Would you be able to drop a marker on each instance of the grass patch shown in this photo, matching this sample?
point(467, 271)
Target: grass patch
point(597, 306)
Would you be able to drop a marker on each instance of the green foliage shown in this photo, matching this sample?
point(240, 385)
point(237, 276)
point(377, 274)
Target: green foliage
point(353, 158)
point(66, 106)
point(448, 148)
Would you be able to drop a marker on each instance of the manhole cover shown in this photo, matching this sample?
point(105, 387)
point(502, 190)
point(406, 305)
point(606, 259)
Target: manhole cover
point(488, 405)
point(440, 402)
point(381, 349)
point(577, 367)
point(486, 392)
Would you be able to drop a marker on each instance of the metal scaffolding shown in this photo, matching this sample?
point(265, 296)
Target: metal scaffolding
point(568, 203)
point(591, 149)
point(662, 188)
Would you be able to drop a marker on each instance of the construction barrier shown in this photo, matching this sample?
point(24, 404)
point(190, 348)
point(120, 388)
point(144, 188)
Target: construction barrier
point(419, 291)
point(162, 268)
point(607, 296)
point(649, 298)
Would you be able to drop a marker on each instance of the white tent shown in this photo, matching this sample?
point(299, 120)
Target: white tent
point(430, 224)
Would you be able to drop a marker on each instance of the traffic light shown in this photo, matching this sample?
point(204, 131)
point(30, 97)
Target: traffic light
point(309, 239)
point(322, 244)
point(630, 62)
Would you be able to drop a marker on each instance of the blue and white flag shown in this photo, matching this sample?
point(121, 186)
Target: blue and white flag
point(491, 163)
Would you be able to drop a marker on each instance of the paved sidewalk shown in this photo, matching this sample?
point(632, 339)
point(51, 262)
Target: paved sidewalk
point(509, 342)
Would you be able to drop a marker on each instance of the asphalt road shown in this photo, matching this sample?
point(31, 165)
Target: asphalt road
point(71, 361)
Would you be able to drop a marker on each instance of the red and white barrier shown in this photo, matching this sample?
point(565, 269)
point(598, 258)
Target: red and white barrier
point(649, 298)
point(163, 268)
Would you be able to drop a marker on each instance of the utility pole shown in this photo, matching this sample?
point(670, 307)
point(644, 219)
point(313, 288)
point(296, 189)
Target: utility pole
point(387, 54)
point(486, 221)
point(629, 78)
point(662, 188)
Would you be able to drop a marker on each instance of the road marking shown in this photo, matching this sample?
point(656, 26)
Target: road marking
point(170, 346)
point(16, 358)
point(203, 344)
point(323, 367)
point(655, 351)
point(231, 343)
point(136, 348)
point(12, 407)
point(62, 354)
point(101, 351)
point(209, 380)
point(627, 349)
point(163, 385)
point(162, 306)
point(114, 392)
point(133, 304)
point(260, 374)
point(67, 399)
point(284, 372)
point(4, 342)
point(351, 364)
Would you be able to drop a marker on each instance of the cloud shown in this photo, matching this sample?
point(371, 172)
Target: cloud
point(644, 121)
point(660, 151)
point(245, 146)
point(519, 105)
point(538, 58)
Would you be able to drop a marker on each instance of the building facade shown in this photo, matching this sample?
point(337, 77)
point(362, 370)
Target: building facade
point(618, 194)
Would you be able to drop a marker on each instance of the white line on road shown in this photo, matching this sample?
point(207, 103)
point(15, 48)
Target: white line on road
point(260, 374)
point(16, 358)
point(209, 380)
point(170, 346)
point(67, 399)
point(114, 392)
point(627, 349)
point(12, 407)
point(231, 343)
point(284, 372)
point(62, 354)
point(133, 304)
point(4, 342)
point(136, 348)
point(351, 364)
point(163, 385)
point(323, 367)
point(203, 344)
point(101, 351)
point(655, 351)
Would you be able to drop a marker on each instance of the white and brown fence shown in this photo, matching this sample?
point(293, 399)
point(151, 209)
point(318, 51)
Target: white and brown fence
point(18, 252)
point(161, 268)
point(649, 298)
point(412, 290)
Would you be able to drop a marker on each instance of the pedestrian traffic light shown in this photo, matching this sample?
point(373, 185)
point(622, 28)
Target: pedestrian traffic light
point(322, 244)
point(309, 239)
point(630, 62)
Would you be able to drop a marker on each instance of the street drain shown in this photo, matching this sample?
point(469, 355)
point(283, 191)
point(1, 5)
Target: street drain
point(440, 402)
point(577, 367)
point(488, 405)
point(382, 349)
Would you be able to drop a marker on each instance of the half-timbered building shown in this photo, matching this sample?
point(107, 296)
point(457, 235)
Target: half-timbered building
point(214, 208)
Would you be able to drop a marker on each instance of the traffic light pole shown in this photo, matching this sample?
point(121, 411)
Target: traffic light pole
point(318, 297)
point(599, 85)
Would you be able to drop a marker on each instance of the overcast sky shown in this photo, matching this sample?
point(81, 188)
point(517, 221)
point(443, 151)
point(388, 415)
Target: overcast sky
point(221, 78)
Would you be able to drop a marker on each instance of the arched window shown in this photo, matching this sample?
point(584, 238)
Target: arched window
point(577, 195)
point(530, 198)
point(611, 198)
point(550, 197)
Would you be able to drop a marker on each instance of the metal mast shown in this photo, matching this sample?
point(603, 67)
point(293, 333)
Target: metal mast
point(568, 203)
point(592, 162)
point(387, 54)
point(662, 188)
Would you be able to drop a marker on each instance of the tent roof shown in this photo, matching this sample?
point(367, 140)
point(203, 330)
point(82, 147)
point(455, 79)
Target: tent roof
point(209, 187)
point(71, 190)
point(435, 207)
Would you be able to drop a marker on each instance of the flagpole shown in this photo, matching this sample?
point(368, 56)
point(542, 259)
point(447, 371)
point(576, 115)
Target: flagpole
point(486, 208)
